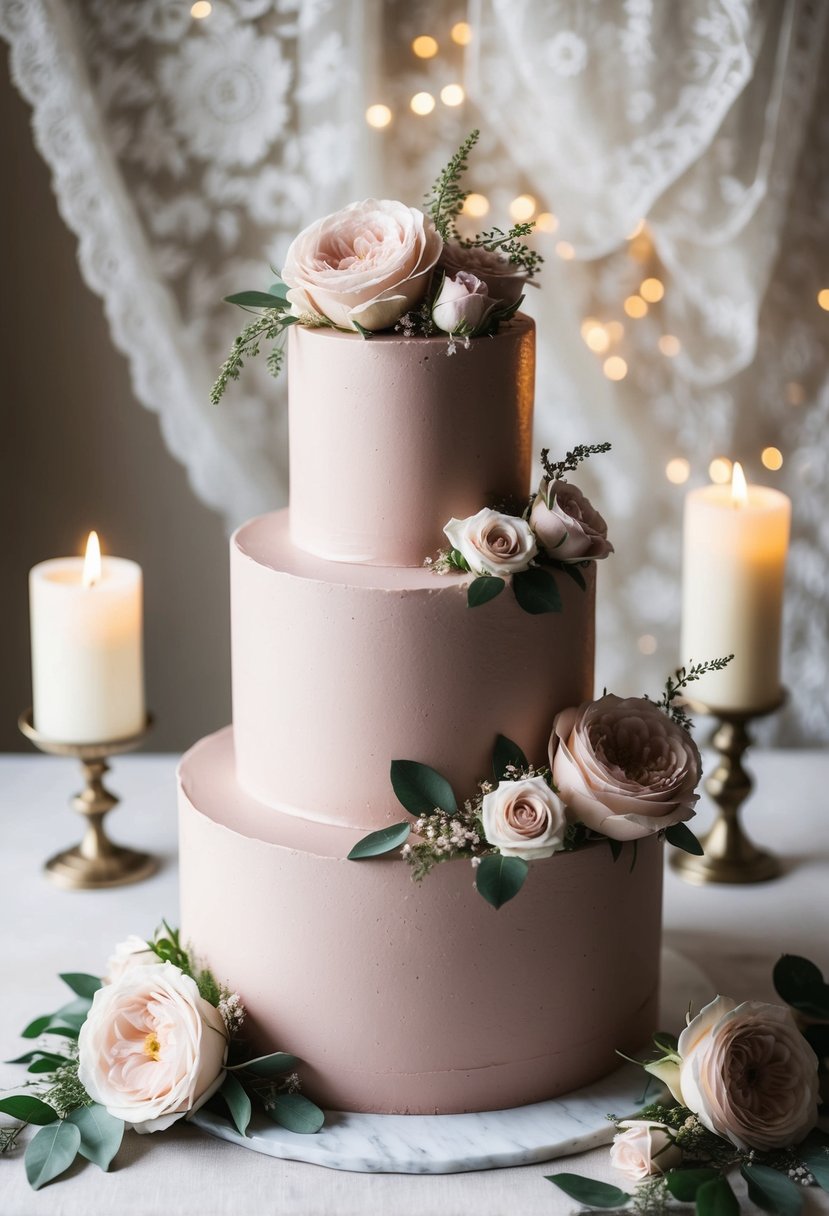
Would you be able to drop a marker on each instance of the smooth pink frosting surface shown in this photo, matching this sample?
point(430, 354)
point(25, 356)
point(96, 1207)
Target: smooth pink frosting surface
point(390, 437)
point(340, 669)
point(415, 999)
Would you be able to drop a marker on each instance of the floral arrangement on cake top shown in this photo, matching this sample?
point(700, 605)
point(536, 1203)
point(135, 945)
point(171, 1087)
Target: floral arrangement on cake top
point(147, 1045)
point(744, 1084)
point(379, 265)
point(619, 769)
point(559, 529)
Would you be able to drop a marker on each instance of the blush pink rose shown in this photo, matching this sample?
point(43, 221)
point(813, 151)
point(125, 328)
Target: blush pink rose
point(493, 543)
point(132, 952)
point(462, 304)
point(623, 768)
point(369, 263)
point(505, 282)
point(151, 1049)
point(643, 1149)
point(748, 1074)
point(567, 525)
point(524, 819)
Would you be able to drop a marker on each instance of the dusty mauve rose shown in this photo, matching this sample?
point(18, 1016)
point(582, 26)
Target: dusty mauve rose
point(132, 952)
point(493, 543)
point(643, 1149)
point(462, 304)
point(524, 819)
point(748, 1074)
point(505, 282)
point(151, 1049)
point(369, 263)
point(567, 524)
point(623, 768)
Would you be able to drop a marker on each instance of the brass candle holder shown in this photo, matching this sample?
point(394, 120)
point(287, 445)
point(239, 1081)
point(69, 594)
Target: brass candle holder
point(96, 862)
point(730, 856)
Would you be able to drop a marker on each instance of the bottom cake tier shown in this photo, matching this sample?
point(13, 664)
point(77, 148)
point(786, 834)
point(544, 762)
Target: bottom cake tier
point(415, 999)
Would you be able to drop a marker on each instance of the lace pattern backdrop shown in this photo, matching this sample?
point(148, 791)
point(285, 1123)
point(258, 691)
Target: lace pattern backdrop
point(676, 159)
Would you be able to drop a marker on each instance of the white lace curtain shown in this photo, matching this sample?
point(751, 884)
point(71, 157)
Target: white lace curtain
point(187, 151)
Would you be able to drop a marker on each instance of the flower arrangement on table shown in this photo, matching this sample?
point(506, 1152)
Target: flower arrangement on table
point(620, 769)
point(745, 1082)
point(379, 265)
point(148, 1045)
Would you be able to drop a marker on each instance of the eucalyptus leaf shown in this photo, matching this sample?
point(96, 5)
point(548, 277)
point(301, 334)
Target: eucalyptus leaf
point(381, 841)
point(590, 1192)
point(272, 1065)
point(772, 1191)
point(684, 1184)
point(238, 1103)
point(296, 1112)
point(499, 879)
point(51, 1152)
point(37, 1026)
point(716, 1198)
point(817, 1161)
point(681, 837)
point(74, 1012)
point(83, 985)
point(483, 589)
point(800, 983)
point(420, 788)
point(101, 1133)
point(572, 571)
point(62, 1030)
point(506, 754)
point(361, 329)
point(28, 1109)
point(279, 289)
point(257, 299)
point(536, 590)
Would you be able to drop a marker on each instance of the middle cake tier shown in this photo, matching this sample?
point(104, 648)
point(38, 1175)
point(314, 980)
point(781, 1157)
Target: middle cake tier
point(340, 669)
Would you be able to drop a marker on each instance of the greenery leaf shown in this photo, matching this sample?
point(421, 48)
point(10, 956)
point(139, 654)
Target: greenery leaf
point(51, 1152)
point(28, 1109)
point(616, 847)
point(572, 571)
point(47, 1063)
point(37, 1027)
point(381, 841)
point(817, 1037)
point(681, 837)
point(296, 1112)
point(279, 289)
point(420, 788)
point(817, 1161)
point(28, 1056)
point(83, 985)
point(800, 983)
point(257, 299)
point(101, 1133)
point(483, 589)
point(590, 1192)
point(772, 1191)
point(506, 753)
point(716, 1198)
point(536, 590)
point(237, 1102)
point(272, 1065)
point(499, 879)
point(665, 1041)
point(364, 333)
point(684, 1184)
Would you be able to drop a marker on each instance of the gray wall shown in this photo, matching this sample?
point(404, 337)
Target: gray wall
point(77, 451)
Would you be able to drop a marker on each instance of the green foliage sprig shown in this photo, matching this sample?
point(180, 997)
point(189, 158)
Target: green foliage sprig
point(555, 469)
point(271, 326)
point(511, 245)
point(446, 197)
point(674, 685)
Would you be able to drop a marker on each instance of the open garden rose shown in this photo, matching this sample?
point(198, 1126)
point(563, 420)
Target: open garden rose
point(151, 1049)
point(524, 819)
point(493, 543)
point(644, 1148)
point(748, 1074)
point(132, 952)
point(566, 523)
point(369, 263)
point(462, 304)
point(505, 282)
point(623, 768)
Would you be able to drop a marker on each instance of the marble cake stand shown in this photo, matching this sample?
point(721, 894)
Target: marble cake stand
point(448, 1144)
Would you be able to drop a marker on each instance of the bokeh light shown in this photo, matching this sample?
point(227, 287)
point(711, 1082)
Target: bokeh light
point(565, 250)
point(461, 33)
point(452, 95)
point(669, 345)
point(378, 116)
point(425, 47)
point(476, 205)
point(636, 307)
point(647, 644)
point(615, 368)
point(678, 470)
point(522, 208)
point(772, 458)
point(201, 9)
point(652, 290)
point(546, 222)
point(719, 470)
point(422, 103)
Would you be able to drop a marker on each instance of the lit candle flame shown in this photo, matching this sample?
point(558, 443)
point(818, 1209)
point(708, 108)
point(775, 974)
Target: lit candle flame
point(92, 561)
point(739, 491)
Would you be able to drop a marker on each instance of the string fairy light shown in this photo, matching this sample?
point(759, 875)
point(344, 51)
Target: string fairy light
point(772, 458)
point(652, 290)
point(635, 307)
point(461, 33)
point(615, 367)
point(424, 46)
point(201, 9)
point(719, 470)
point(678, 470)
point(422, 103)
point(452, 95)
point(378, 116)
point(522, 208)
point(475, 205)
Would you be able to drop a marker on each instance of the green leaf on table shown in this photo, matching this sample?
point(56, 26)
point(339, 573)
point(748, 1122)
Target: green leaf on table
point(82, 985)
point(381, 841)
point(62, 1030)
point(37, 1026)
point(817, 1161)
point(772, 1191)
point(716, 1198)
point(800, 983)
point(272, 1065)
point(237, 1102)
point(420, 788)
point(47, 1063)
point(536, 590)
point(51, 1152)
point(101, 1133)
point(483, 589)
point(590, 1192)
point(257, 299)
point(681, 837)
point(296, 1112)
point(507, 754)
point(34, 1054)
point(28, 1109)
point(684, 1184)
point(499, 878)
point(572, 571)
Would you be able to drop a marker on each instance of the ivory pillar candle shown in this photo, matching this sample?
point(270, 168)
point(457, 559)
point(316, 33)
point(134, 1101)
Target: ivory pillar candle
point(87, 654)
point(734, 556)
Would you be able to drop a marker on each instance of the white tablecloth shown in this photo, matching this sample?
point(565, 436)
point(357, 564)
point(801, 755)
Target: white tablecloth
point(735, 934)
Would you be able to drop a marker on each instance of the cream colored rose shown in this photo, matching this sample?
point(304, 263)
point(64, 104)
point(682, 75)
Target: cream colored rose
point(643, 1149)
point(151, 1049)
point(132, 952)
point(623, 768)
point(493, 543)
point(462, 304)
point(567, 525)
point(369, 263)
point(505, 282)
point(748, 1074)
point(524, 819)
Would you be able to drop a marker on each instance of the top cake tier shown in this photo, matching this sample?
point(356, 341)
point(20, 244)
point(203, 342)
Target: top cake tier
point(391, 437)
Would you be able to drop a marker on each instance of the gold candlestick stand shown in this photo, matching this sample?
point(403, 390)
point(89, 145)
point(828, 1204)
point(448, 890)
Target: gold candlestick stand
point(96, 862)
point(730, 857)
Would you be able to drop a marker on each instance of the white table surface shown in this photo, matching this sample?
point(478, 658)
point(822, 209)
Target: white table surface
point(735, 934)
